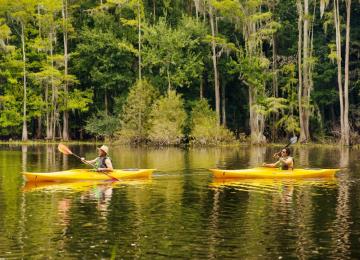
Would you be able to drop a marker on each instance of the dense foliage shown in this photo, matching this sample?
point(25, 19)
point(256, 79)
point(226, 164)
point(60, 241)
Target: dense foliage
point(204, 129)
point(177, 71)
point(135, 115)
point(167, 119)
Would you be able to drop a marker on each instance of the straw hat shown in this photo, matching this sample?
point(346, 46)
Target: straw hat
point(104, 148)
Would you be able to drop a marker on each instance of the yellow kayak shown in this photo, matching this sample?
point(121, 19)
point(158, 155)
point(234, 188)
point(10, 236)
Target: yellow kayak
point(86, 174)
point(272, 173)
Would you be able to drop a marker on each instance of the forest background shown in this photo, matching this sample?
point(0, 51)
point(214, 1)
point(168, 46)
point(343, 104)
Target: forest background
point(171, 72)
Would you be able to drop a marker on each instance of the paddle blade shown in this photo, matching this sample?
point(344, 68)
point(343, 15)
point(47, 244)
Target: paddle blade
point(64, 149)
point(293, 140)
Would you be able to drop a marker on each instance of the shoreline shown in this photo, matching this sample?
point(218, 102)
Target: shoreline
point(232, 145)
point(45, 142)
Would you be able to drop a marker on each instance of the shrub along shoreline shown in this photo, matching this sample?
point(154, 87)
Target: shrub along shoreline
point(150, 118)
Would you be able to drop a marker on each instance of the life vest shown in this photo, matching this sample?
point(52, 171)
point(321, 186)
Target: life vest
point(100, 162)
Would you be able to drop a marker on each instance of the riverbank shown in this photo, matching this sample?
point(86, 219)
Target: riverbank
point(43, 142)
point(234, 144)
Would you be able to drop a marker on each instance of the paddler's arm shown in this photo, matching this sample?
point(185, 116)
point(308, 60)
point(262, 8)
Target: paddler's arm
point(109, 166)
point(86, 161)
point(276, 156)
point(271, 165)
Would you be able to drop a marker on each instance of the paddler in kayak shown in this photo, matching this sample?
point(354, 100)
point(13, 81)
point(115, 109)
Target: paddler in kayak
point(284, 160)
point(103, 162)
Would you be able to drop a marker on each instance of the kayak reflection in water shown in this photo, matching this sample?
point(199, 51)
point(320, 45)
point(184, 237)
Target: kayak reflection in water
point(103, 162)
point(103, 195)
point(285, 161)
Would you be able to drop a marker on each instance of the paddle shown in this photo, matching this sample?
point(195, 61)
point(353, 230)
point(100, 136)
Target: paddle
point(65, 150)
point(292, 140)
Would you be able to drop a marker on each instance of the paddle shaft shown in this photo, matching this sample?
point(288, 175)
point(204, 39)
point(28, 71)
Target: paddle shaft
point(291, 141)
point(77, 156)
point(287, 145)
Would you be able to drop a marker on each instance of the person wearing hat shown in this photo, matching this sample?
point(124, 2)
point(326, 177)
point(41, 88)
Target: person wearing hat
point(103, 162)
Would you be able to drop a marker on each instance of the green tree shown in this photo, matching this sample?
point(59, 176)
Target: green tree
point(102, 125)
point(288, 120)
point(100, 62)
point(136, 7)
point(10, 117)
point(306, 64)
point(167, 120)
point(10, 108)
point(171, 52)
point(343, 83)
point(204, 126)
point(258, 27)
point(135, 113)
point(66, 28)
point(22, 13)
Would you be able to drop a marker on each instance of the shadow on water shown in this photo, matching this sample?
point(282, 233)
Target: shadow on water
point(181, 212)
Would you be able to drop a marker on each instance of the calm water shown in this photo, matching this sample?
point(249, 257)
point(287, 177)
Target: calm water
point(181, 212)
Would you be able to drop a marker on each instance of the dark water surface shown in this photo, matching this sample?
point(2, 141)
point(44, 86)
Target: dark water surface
point(181, 212)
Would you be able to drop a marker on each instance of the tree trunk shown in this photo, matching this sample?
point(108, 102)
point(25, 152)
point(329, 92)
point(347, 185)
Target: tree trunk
point(311, 51)
point(300, 29)
point(223, 104)
point(59, 127)
point(154, 10)
point(24, 128)
point(304, 102)
point(346, 137)
point(257, 121)
point(48, 130)
point(65, 133)
point(39, 13)
point(139, 39)
point(275, 87)
point(53, 105)
point(168, 77)
point(304, 132)
point(254, 49)
point(197, 7)
point(106, 103)
point(39, 128)
point(201, 88)
point(274, 69)
point(216, 73)
point(337, 24)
